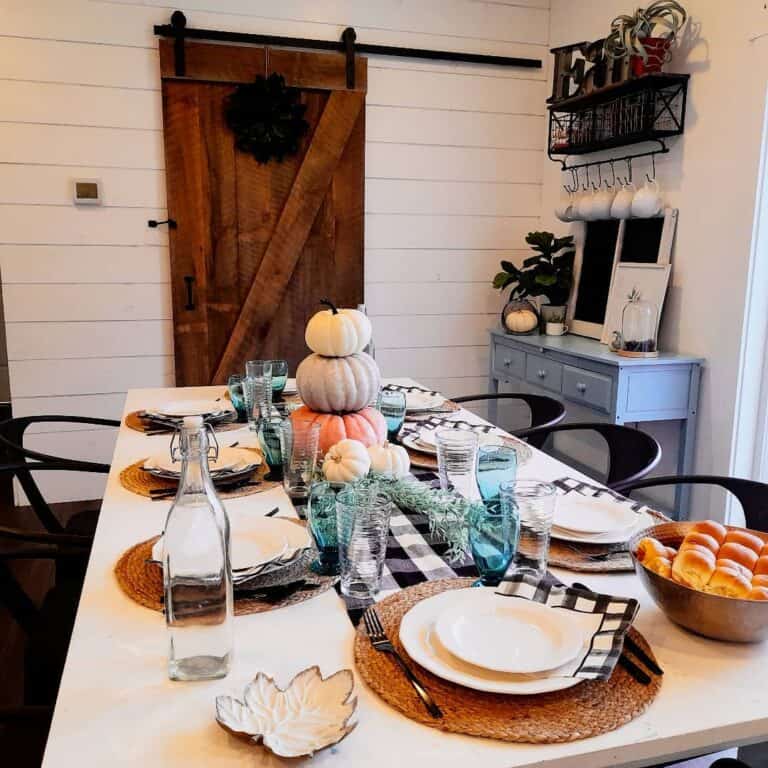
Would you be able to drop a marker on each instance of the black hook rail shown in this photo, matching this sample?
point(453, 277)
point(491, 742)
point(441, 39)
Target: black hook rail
point(178, 31)
point(662, 150)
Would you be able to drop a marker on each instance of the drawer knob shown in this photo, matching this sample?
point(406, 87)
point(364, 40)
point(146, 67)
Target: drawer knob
point(581, 386)
point(507, 363)
point(541, 373)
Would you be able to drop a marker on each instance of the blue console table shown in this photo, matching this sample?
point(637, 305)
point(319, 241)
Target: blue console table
point(612, 388)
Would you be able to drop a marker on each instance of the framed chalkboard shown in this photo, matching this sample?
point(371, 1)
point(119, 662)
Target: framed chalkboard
point(600, 246)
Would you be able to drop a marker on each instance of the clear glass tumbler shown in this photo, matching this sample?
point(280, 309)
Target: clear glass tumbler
point(457, 461)
point(362, 518)
point(299, 440)
point(257, 391)
point(391, 403)
point(496, 464)
point(321, 516)
point(236, 395)
point(493, 535)
point(533, 501)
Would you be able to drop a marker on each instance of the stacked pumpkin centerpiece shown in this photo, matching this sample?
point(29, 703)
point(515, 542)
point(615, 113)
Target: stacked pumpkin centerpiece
point(337, 383)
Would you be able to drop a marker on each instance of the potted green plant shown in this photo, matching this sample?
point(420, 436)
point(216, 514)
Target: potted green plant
point(548, 273)
point(646, 36)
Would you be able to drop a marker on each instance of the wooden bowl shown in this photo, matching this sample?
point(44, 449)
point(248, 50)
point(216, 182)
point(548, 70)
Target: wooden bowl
point(721, 618)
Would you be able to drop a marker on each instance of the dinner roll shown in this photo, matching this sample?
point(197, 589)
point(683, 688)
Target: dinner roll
point(723, 562)
point(671, 552)
point(711, 528)
point(649, 548)
point(762, 564)
point(758, 593)
point(738, 552)
point(702, 539)
point(728, 582)
point(694, 567)
point(747, 539)
point(760, 580)
point(660, 565)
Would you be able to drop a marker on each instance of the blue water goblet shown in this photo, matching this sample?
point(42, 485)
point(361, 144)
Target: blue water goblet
point(391, 404)
point(279, 378)
point(493, 533)
point(496, 464)
point(269, 442)
point(236, 395)
point(321, 516)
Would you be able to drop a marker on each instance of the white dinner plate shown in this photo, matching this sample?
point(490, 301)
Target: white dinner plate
point(508, 634)
point(257, 541)
point(180, 408)
point(228, 460)
point(417, 634)
point(642, 520)
point(422, 401)
point(579, 514)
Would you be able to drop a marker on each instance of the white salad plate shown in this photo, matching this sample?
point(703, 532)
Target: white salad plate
point(579, 514)
point(418, 636)
point(422, 401)
point(180, 408)
point(508, 634)
point(258, 541)
point(642, 520)
point(228, 460)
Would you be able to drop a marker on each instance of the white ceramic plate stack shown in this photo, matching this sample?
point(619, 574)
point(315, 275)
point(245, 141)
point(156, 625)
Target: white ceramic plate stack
point(596, 520)
point(178, 409)
point(229, 462)
point(489, 642)
point(426, 442)
point(422, 401)
point(260, 546)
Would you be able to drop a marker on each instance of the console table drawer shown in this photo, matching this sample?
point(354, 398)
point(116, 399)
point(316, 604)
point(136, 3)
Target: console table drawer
point(508, 362)
point(588, 387)
point(545, 373)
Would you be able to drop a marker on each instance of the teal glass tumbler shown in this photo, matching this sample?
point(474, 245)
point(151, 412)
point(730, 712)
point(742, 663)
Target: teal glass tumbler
point(494, 528)
point(496, 464)
point(279, 378)
point(321, 516)
point(269, 442)
point(237, 396)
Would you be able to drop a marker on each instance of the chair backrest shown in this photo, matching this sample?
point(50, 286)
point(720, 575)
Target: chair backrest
point(752, 495)
point(545, 411)
point(632, 453)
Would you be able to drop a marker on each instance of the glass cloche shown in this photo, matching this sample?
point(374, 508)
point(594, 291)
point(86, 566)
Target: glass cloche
point(639, 326)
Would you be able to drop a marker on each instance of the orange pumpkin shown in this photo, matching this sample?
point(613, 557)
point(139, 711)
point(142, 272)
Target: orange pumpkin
point(367, 426)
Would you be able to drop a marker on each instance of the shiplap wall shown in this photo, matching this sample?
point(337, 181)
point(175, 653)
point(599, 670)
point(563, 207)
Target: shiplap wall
point(454, 158)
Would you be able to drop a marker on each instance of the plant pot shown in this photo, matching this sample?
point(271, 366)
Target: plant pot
point(553, 313)
point(520, 317)
point(657, 49)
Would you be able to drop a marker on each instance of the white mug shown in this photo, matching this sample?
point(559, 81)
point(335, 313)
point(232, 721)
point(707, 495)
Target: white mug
point(601, 204)
point(555, 329)
point(621, 207)
point(647, 200)
point(584, 206)
point(564, 209)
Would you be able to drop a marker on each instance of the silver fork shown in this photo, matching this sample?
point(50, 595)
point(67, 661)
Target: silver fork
point(381, 642)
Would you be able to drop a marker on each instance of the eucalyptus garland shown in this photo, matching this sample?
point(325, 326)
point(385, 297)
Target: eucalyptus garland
point(266, 117)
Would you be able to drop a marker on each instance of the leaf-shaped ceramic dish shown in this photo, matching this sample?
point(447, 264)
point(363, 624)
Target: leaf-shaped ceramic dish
point(309, 714)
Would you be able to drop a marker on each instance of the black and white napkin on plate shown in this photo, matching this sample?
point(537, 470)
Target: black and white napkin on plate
point(406, 388)
point(605, 619)
point(569, 485)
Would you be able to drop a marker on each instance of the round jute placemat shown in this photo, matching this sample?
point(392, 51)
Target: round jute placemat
point(136, 480)
point(142, 581)
point(135, 422)
point(588, 709)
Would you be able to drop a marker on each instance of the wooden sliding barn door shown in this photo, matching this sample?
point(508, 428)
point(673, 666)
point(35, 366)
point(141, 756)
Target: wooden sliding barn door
point(257, 245)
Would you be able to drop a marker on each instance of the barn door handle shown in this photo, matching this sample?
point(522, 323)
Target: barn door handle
point(188, 279)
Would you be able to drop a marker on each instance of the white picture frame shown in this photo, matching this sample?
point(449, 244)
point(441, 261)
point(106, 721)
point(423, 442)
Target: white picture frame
point(593, 330)
point(651, 280)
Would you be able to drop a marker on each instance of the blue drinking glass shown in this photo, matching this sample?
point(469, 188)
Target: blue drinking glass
point(321, 515)
point(269, 442)
point(391, 403)
point(496, 464)
point(493, 534)
point(235, 387)
point(279, 378)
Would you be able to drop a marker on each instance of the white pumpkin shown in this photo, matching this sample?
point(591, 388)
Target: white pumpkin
point(338, 384)
point(521, 320)
point(346, 462)
point(389, 460)
point(338, 332)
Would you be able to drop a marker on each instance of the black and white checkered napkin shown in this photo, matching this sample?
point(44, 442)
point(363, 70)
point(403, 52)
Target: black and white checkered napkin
point(605, 619)
point(405, 388)
point(568, 485)
point(411, 558)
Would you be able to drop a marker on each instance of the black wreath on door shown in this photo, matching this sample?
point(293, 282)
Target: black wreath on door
point(266, 117)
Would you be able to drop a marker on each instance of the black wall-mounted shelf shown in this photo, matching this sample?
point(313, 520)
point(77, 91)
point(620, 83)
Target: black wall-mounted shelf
point(648, 108)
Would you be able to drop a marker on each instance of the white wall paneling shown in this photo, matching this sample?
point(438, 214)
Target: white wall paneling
point(454, 159)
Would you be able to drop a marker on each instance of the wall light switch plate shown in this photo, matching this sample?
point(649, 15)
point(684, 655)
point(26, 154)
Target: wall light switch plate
point(86, 191)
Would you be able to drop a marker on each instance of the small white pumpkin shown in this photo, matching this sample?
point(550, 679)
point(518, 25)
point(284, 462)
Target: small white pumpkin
point(521, 320)
point(389, 460)
point(338, 384)
point(338, 332)
point(346, 462)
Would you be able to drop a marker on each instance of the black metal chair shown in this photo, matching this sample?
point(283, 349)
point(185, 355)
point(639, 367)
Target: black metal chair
point(752, 496)
point(632, 454)
point(544, 411)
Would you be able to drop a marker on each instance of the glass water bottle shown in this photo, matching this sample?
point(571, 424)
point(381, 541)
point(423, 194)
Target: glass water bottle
point(197, 573)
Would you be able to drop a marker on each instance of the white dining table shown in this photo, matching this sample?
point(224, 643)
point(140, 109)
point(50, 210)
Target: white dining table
point(117, 707)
